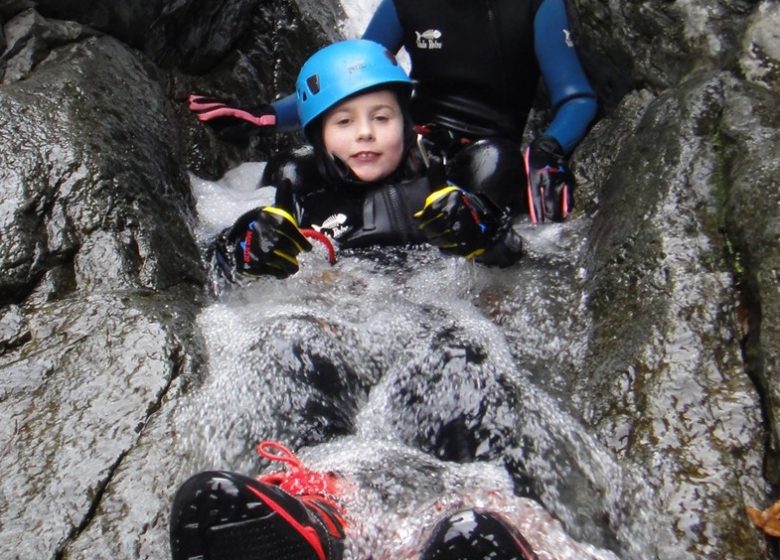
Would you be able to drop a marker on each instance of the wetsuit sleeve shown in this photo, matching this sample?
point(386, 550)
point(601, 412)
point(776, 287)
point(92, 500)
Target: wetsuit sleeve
point(571, 96)
point(385, 27)
point(286, 113)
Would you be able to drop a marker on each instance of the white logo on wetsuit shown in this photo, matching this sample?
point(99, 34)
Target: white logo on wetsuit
point(429, 39)
point(567, 38)
point(335, 226)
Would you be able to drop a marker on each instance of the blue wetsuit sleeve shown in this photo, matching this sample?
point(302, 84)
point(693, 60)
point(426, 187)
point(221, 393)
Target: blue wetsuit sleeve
point(571, 96)
point(286, 113)
point(385, 27)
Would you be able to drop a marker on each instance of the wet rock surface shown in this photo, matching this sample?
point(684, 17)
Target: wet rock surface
point(625, 373)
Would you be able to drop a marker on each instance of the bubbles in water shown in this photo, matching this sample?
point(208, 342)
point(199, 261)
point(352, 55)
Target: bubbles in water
point(394, 496)
point(219, 203)
point(382, 367)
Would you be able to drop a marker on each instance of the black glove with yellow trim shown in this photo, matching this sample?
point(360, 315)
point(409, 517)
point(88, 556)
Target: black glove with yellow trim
point(462, 223)
point(265, 241)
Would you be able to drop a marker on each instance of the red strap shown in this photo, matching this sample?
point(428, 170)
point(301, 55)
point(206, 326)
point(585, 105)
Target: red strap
point(322, 238)
point(275, 451)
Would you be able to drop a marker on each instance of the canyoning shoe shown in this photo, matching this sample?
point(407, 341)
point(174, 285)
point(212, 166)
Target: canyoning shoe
point(227, 516)
point(476, 535)
point(220, 515)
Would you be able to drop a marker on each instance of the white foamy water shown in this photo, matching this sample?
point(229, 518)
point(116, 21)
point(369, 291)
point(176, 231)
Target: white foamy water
point(390, 345)
point(358, 13)
point(218, 203)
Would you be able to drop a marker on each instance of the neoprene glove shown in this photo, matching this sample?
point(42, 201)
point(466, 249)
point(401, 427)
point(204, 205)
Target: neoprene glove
point(229, 120)
point(550, 183)
point(462, 223)
point(264, 241)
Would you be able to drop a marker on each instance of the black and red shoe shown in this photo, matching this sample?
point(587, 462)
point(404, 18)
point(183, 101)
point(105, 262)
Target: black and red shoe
point(218, 515)
point(476, 535)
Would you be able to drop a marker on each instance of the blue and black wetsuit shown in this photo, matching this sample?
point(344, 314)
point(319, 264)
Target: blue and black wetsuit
point(477, 64)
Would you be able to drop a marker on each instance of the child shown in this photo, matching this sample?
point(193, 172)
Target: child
point(364, 180)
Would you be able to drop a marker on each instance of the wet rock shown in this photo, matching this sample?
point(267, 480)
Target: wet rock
point(30, 38)
point(656, 44)
point(13, 328)
point(9, 8)
point(96, 189)
point(451, 401)
point(189, 34)
point(751, 168)
point(760, 58)
point(76, 398)
point(664, 364)
point(95, 199)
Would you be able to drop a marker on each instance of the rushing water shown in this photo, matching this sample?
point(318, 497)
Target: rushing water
point(398, 368)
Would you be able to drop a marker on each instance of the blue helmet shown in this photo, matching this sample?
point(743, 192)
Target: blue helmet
point(343, 69)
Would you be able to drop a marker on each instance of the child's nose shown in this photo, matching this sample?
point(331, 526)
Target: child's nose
point(365, 129)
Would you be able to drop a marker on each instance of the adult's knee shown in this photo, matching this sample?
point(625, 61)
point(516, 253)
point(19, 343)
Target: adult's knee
point(491, 166)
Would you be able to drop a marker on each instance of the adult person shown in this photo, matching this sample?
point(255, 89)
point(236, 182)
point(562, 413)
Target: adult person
point(363, 181)
point(476, 66)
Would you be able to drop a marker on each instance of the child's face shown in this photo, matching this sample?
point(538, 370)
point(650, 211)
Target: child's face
point(366, 133)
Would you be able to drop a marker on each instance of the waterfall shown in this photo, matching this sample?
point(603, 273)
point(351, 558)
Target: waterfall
point(398, 368)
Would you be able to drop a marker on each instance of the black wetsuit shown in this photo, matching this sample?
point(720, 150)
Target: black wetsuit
point(474, 63)
point(357, 214)
point(353, 214)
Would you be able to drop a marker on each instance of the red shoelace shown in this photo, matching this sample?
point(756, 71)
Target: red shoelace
point(297, 480)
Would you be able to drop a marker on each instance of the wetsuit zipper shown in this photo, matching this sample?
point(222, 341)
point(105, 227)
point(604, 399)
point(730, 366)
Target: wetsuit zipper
point(397, 211)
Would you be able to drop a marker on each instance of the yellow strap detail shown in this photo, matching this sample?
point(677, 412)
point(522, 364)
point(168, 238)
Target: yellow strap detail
point(285, 256)
point(474, 254)
point(279, 212)
point(432, 219)
point(434, 196)
point(287, 216)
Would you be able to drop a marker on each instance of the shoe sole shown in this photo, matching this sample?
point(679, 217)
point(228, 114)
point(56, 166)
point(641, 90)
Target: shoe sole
point(216, 517)
point(255, 539)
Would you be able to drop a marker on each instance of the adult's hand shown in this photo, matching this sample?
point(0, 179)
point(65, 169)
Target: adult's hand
point(550, 187)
